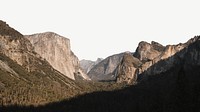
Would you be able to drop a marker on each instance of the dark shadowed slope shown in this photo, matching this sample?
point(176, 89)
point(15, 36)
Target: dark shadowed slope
point(174, 90)
point(25, 77)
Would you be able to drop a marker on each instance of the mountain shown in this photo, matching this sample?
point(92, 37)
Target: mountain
point(87, 65)
point(174, 53)
point(150, 54)
point(57, 51)
point(146, 51)
point(25, 77)
point(132, 68)
point(103, 71)
point(176, 89)
point(127, 69)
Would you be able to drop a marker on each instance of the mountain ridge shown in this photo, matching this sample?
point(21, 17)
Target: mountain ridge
point(174, 90)
point(25, 77)
point(87, 65)
point(149, 54)
point(56, 50)
point(154, 78)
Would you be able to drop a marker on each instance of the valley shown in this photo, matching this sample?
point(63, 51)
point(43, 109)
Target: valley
point(40, 73)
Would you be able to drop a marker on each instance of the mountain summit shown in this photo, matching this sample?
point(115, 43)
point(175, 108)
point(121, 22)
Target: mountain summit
point(128, 67)
point(25, 77)
point(57, 51)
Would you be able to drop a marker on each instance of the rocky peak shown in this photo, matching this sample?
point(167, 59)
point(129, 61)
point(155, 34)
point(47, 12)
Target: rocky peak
point(127, 70)
point(147, 52)
point(104, 69)
point(157, 46)
point(57, 51)
point(155, 59)
point(87, 65)
point(187, 53)
point(15, 46)
point(192, 40)
point(98, 60)
point(23, 72)
point(149, 58)
point(6, 30)
point(165, 53)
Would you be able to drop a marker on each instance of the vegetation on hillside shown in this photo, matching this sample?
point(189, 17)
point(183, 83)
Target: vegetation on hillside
point(6, 30)
point(175, 90)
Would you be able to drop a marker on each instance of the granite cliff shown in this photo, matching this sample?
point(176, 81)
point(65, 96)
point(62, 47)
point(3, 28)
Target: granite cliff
point(172, 55)
point(57, 51)
point(155, 59)
point(16, 47)
point(103, 71)
point(128, 67)
point(25, 77)
point(174, 90)
point(87, 65)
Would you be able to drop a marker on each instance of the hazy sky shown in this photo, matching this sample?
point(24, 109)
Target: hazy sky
point(99, 28)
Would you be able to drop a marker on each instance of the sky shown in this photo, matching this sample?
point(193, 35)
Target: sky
point(100, 28)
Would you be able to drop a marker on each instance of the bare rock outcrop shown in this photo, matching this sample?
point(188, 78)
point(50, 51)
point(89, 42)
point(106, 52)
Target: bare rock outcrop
point(149, 59)
point(16, 47)
point(168, 52)
point(127, 70)
point(56, 50)
point(104, 71)
point(147, 52)
point(87, 65)
point(169, 57)
point(24, 73)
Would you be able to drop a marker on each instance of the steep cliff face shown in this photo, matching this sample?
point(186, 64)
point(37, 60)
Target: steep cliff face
point(103, 71)
point(56, 50)
point(168, 51)
point(16, 47)
point(150, 58)
point(147, 52)
point(25, 77)
point(176, 90)
point(127, 70)
point(87, 65)
point(172, 55)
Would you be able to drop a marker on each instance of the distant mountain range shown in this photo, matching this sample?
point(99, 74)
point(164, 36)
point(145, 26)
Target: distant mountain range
point(87, 65)
point(127, 66)
point(41, 70)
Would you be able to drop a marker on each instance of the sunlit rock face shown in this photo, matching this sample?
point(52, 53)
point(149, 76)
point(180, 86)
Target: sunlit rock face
point(147, 52)
point(104, 70)
point(168, 58)
point(152, 58)
point(24, 72)
point(16, 47)
point(56, 50)
point(127, 70)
